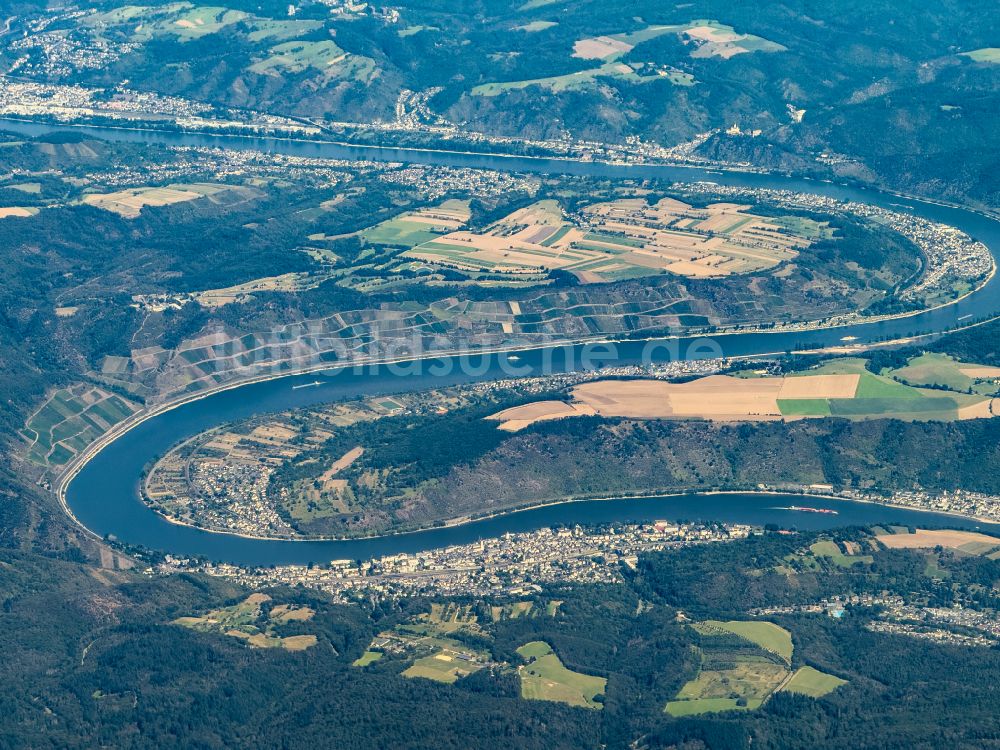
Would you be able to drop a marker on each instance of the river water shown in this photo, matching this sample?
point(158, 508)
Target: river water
point(104, 495)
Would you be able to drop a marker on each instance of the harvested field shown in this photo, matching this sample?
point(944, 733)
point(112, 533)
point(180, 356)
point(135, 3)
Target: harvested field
point(17, 212)
point(600, 47)
point(923, 538)
point(819, 386)
point(344, 461)
point(519, 417)
point(980, 409)
point(129, 203)
point(977, 372)
point(727, 398)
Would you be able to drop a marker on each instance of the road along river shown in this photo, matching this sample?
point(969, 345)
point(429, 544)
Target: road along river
point(103, 494)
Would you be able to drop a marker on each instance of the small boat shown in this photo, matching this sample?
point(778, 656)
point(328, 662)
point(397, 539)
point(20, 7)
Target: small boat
point(308, 385)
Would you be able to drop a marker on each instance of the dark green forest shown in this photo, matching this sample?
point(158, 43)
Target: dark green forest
point(96, 663)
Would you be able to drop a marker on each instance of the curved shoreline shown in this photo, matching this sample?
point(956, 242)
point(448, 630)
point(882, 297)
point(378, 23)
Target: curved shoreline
point(460, 521)
point(67, 474)
point(734, 168)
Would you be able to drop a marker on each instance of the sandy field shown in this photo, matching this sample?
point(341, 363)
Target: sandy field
point(15, 211)
point(983, 410)
point(820, 386)
point(980, 371)
point(342, 463)
point(129, 203)
point(924, 539)
point(600, 47)
point(520, 417)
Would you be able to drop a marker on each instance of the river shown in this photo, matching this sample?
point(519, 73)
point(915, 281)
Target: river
point(104, 494)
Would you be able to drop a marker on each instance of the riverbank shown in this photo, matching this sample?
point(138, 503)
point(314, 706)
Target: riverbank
point(791, 492)
point(99, 488)
point(70, 471)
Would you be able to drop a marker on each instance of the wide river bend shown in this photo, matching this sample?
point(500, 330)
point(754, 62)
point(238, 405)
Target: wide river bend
point(104, 493)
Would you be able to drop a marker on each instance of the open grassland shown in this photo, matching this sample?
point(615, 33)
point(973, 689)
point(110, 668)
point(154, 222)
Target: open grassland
point(611, 241)
point(247, 622)
point(447, 665)
point(832, 551)
point(70, 420)
point(812, 682)
point(186, 22)
point(933, 369)
point(968, 542)
point(31, 188)
point(707, 39)
point(583, 79)
point(545, 678)
point(767, 635)
point(368, 657)
point(277, 45)
point(984, 55)
point(536, 26)
point(129, 203)
point(182, 20)
point(732, 678)
point(698, 706)
point(324, 56)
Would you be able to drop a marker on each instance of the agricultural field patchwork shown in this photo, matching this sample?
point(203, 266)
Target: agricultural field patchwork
point(428, 644)
point(435, 646)
point(423, 225)
point(705, 38)
point(940, 370)
point(843, 388)
point(249, 622)
point(613, 241)
point(839, 388)
point(840, 554)
point(742, 664)
point(70, 420)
